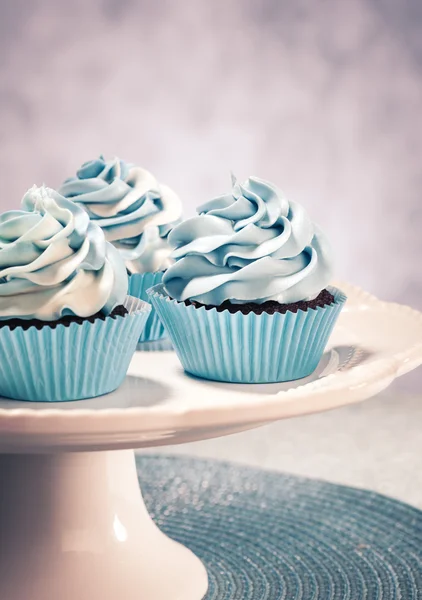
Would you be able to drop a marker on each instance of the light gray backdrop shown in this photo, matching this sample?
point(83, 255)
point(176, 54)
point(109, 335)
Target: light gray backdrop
point(324, 98)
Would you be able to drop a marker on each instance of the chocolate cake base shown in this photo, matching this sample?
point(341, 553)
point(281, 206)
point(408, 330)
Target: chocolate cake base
point(119, 311)
point(270, 307)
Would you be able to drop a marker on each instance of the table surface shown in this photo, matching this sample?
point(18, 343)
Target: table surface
point(375, 445)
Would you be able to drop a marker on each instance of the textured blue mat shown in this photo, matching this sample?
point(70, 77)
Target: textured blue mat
point(268, 536)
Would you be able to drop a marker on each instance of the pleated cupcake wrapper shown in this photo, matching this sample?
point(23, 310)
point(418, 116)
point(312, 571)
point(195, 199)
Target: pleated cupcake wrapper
point(250, 348)
point(70, 362)
point(139, 283)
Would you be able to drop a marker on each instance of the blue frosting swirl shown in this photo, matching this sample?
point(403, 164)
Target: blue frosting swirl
point(251, 245)
point(55, 262)
point(135, 212)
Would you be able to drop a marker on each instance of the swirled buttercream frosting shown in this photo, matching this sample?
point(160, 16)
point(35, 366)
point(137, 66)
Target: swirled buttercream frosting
point(135, 212)
point(251, 245)
point(55, 262)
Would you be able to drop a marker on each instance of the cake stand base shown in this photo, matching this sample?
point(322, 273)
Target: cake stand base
point(74, 525)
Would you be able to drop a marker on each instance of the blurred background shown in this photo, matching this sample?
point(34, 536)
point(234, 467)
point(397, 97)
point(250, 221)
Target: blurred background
point(323, 98)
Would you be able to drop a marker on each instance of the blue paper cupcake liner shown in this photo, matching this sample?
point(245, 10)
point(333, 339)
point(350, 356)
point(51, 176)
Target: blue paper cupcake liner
point(139, 283)
point(70, 362)
point(250, 348)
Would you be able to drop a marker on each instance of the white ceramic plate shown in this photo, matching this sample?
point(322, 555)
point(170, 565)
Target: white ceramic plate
point(373, 343)
point(82, 514)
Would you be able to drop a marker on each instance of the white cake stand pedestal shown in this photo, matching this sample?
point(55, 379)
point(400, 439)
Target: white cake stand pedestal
point(73, 525)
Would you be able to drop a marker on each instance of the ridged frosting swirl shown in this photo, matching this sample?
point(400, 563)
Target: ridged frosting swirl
point(135, 212)
point(55, 262)
point(251, 245)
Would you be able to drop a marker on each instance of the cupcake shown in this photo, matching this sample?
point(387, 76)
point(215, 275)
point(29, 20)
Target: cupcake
point(247, 299)
point(68, 330)
point(136, 214)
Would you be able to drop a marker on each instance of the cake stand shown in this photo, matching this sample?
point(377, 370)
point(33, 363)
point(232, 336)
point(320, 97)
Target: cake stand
point(73, 525)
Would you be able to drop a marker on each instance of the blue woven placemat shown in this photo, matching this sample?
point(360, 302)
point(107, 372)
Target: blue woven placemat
point(269, 536)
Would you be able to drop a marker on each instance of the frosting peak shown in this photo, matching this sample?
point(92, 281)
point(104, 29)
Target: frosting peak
point(135, 212)
point(55, 262)
point(251, 245)
point(256, 201)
